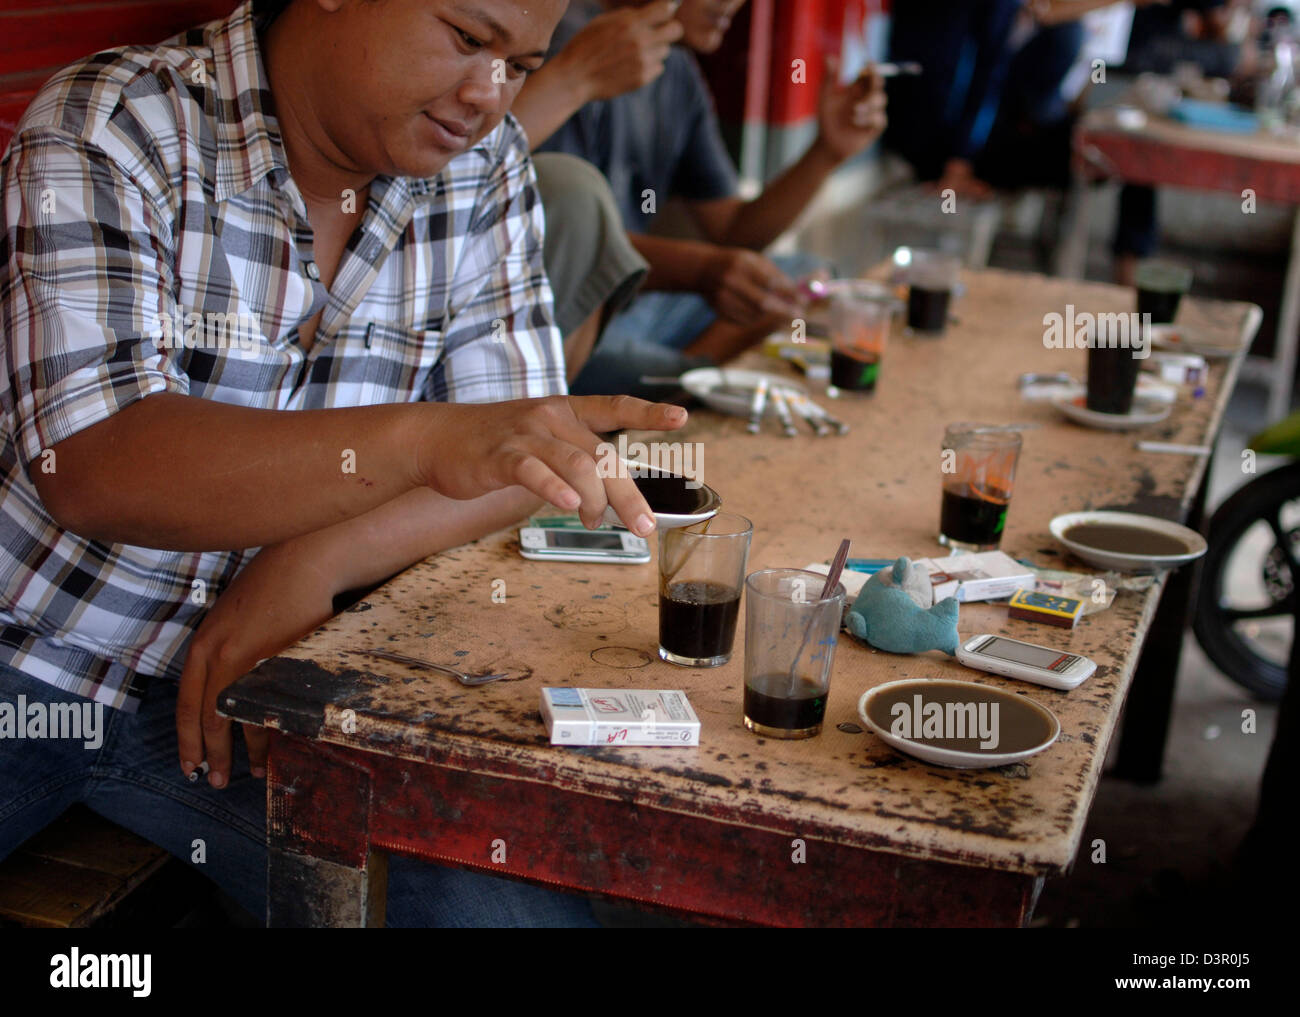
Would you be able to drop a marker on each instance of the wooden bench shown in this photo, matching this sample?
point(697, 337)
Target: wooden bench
point(84, 871)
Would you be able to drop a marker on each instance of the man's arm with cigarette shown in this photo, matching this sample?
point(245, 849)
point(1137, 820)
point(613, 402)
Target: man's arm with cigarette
point(850, 117)
point(617, 52)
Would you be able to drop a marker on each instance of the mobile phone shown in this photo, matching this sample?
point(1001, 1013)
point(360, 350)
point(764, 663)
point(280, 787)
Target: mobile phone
point(1026, 661)
point(607, 545)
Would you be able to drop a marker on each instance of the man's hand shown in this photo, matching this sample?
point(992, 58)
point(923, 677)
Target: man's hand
point(548, 446)
point(744, 287)
point(286, 591)
point(621, 50)
point(850, 117)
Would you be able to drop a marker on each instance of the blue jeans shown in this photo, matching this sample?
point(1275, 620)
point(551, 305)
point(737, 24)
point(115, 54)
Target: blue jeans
point(133, 778)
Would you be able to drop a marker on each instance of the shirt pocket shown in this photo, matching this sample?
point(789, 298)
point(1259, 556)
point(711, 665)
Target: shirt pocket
point(397, 360)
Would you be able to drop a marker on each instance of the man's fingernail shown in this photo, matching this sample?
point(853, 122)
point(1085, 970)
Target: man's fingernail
point(259, 772)
point(187, 767)
point(218, 779)
point(645, 525)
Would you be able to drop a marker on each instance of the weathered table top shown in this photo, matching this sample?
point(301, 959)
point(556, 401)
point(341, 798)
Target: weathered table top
point(596, 626)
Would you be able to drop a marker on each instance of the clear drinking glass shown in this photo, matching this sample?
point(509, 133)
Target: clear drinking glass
point(931, 278)
point(859, 328)
point(978, 468)
point(790, 637)
point(701, 572)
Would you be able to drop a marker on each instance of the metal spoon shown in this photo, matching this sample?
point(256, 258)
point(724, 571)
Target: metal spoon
point(470, 680)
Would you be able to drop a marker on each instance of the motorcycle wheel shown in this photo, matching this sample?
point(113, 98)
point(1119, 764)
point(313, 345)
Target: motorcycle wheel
point(1254, 536)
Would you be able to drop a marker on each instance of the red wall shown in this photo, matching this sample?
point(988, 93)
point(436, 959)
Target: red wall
point(38, 37)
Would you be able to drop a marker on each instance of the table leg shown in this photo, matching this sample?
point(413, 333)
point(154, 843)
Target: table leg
point(1072, 251)
point(307, 892)
point(1284, 350)
point(321, 870)
point(1145, 727)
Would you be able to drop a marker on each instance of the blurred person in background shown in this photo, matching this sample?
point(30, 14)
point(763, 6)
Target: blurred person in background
point(618, 93)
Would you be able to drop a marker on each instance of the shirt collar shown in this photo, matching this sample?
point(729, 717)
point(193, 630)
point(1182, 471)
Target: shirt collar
point(248, 135)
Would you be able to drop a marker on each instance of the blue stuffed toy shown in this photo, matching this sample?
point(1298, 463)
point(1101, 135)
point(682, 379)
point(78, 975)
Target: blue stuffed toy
point(895, 612)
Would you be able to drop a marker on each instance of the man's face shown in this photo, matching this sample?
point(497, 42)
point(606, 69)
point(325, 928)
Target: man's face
point(706, 21)
point(403, 86)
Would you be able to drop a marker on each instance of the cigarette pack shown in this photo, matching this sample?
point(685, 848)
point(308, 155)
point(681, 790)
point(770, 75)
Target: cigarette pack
point(1050, 608)
point(619, 717)
point(984, 575)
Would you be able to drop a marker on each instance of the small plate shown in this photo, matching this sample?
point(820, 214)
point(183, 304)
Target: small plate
point(1020, 727)
point(1146, 410)
point(732, 391)
point(1190, 339)
point(1123, 561)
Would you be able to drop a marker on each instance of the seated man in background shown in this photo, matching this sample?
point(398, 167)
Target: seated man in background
point(618, 94)
point(180, 502)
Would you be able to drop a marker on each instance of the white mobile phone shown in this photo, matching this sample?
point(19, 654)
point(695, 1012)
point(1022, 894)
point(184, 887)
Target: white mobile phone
point(603, 546)
point(1026, 661)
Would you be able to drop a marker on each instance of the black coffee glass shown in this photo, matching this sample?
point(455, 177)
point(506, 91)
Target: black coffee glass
point(1112, 379)
point(1160, 288)
point(932, 276)
point(701, 576)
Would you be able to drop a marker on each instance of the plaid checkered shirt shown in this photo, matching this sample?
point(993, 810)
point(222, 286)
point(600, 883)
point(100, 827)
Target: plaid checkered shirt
point(152, 240)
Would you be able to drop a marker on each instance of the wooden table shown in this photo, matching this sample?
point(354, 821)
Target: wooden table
point(368, 757)
point(1165, 153)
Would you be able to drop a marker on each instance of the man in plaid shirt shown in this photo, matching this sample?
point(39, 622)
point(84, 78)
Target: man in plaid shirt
point(242, 276)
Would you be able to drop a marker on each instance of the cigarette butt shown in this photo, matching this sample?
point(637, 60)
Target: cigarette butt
point(199, 771)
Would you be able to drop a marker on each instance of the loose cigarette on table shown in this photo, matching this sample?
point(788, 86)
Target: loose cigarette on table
point(783, 411)
point(1162, 446)
point(757, 406)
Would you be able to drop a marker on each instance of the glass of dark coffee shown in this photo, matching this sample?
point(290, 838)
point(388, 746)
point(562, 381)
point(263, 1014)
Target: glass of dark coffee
point(977, 465)
point(701, 571)
point(790, 637)
point(931, 278)
point(859, 329)
point(1160, 287)
point(1112, 379)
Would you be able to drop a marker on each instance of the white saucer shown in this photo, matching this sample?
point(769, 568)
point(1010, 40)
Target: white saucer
point(1146, 410)
point(1140, 563)
point(732, 391)
point(1008, 703)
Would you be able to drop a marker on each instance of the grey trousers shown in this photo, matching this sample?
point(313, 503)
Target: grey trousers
point(589, 259)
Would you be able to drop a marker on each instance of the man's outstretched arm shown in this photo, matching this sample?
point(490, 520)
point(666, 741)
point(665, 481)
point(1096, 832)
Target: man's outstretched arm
point(257, 477)
point(850, 117)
